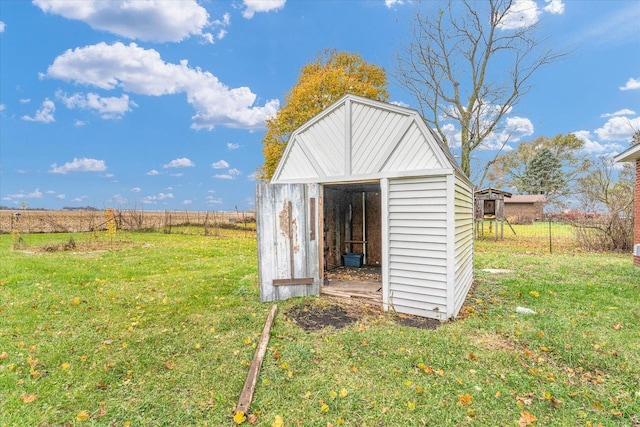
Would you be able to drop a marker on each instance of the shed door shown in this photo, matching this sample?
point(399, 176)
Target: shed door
point(288, 236)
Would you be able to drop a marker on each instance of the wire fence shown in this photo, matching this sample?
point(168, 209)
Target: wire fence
point(547, 236)
point(169, 222)
point(553, 234)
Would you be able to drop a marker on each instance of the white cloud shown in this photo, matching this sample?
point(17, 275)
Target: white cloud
point(631, 84)
point(525, 13)
point(522, 14)
point(555, 7)
point(452, 134)
point(623, 112)
point(618, 129)
point(80, 165)
point(4, 107)
point(24, 101)
point(107, 108)
point(61, 196)
point(35, 194)
point(182, 162)
point(136, 189)
point(2, 27)
point(44, 114)
point(220, 164)
point(210, 200)
point(253, 6)
point(232, 146)
point(391, 3)
point(252, 177)
point(223, 176)
point(142, 71)
point(400, 104)
point(156, 199)
point(617, 27)
point(79, 123)
point(79, 199)
point(153, 172)
point(231, 174)
point(515, 128)
point(149, 20)
point(187, 202)
point(591, 146)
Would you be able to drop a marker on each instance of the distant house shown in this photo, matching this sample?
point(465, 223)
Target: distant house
point(524, 208)
point(633, 155)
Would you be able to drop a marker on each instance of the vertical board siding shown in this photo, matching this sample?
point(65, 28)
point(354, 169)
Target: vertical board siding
point(285, 250)
point(417, 246)
point(464, 242)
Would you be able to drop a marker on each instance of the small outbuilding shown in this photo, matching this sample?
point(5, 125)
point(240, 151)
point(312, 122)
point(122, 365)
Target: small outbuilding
point(524, 208)
point(633, 155)
point(489, 204)
point(368, 179)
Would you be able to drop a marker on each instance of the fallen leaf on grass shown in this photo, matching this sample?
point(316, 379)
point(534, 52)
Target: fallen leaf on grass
point(82, 415)
point(277, 422)
point(239, 417)
point(617, 326)
point(526, 419)
point(28, 398)
point(465, 400)
point(3, 355)
point(169, 365)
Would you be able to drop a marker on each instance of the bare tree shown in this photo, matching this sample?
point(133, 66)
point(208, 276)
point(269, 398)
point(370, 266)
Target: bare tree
point(599, 191)
point(470, 62)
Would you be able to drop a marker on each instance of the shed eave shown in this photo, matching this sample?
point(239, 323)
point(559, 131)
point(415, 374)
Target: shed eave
point(630, 155)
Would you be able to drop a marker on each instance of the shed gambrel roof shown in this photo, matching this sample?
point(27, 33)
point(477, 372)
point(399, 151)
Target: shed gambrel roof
point(358, 138)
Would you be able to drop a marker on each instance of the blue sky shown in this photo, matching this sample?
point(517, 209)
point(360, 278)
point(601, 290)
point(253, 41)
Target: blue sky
point(161, 105)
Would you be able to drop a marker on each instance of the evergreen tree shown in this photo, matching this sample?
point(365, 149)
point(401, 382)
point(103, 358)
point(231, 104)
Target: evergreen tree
point(543, 175)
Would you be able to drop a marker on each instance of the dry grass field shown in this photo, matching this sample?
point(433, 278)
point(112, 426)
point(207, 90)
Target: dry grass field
point(42, 221)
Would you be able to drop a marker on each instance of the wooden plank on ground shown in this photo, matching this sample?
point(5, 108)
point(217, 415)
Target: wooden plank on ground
point(252, 377)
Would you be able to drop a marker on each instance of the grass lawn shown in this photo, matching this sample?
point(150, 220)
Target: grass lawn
point(160, 330)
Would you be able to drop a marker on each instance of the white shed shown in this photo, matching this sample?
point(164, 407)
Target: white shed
point(372, 178)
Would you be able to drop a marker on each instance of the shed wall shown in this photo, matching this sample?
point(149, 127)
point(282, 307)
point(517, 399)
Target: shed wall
point(464, 243)
point(418, 246)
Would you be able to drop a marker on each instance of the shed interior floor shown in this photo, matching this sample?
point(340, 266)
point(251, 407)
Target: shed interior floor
point(352, 282)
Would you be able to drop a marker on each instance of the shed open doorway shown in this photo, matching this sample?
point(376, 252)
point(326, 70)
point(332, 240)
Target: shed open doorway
point(352, 252)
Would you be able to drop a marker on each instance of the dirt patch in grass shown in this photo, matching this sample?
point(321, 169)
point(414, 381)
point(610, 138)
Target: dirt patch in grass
point(417, 322)
point(336, 313)
point(74, 247)
point(313, 317)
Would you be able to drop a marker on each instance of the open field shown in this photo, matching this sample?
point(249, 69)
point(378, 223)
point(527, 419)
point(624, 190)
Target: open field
point(41, 221)
point(159, 329)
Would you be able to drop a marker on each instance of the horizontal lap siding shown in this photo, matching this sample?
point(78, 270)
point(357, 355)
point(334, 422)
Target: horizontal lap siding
point(418, 245)
point(463, 243)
